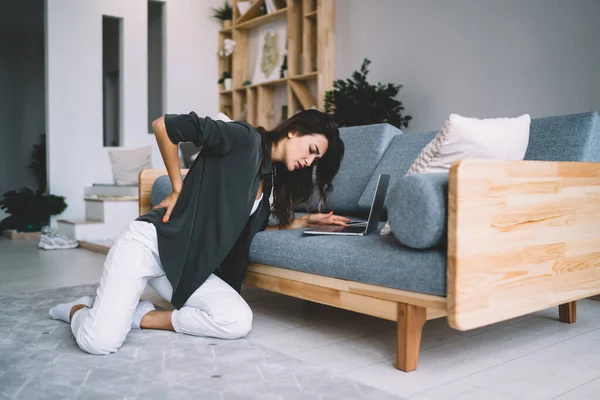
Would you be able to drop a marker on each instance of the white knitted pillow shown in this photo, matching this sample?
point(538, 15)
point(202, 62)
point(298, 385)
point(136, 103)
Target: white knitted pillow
point(472, 138)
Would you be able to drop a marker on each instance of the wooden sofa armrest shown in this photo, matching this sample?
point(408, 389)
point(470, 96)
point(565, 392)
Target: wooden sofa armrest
point(522, 237)
point(146, 179)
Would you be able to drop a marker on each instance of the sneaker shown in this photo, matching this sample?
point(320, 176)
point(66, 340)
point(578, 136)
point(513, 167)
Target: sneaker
point(46, 237)
point(56, 241)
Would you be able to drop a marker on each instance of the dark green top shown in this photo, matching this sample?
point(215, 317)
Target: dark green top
point(210, 228)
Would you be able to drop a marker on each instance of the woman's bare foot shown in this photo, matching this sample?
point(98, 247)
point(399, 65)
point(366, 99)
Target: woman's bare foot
point(75, 309)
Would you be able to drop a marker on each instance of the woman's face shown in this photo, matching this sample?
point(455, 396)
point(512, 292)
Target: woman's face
point(302, 151)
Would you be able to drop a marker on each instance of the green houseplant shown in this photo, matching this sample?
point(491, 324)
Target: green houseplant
point(30, 211)
point(355, 102)
point(283, 71)
point(224, 14)
point(225, 80)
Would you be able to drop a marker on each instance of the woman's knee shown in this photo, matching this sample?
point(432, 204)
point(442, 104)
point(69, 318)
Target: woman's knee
point(236, 322)
point(98, 344)
point(233, 324)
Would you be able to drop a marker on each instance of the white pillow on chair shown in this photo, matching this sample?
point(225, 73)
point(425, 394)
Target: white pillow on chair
point(126, 164)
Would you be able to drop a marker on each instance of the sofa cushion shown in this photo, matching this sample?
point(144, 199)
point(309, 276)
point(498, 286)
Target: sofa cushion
point(373, 259)
point(364, 147)
point(418, 209)
point(573, 137)
point(468, 138)
point(161, 188)
point(396, 161)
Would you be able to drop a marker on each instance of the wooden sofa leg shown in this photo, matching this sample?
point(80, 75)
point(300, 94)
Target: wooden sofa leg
point(410, 326)
point(567, 312)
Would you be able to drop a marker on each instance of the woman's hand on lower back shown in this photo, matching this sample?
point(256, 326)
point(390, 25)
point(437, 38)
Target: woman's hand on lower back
point(168, 203)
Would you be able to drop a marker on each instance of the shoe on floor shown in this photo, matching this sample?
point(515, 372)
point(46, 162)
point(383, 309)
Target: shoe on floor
point(54, 241)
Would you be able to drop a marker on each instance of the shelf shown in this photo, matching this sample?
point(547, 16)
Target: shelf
point(306, 77)
point(262, 20)
point(303, 94)
point(311, 15)
point(252, 12)
point(275, 82)
point(310, 49)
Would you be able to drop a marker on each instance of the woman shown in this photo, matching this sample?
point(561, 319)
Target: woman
point(192, 248)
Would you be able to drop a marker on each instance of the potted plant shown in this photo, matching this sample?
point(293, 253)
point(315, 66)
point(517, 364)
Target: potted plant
point(356, 102)
point(224, 14)
point(283, 71)
point(226, 80)
point(29, 211)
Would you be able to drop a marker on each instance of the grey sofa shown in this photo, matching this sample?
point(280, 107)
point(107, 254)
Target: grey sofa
point(486, 242)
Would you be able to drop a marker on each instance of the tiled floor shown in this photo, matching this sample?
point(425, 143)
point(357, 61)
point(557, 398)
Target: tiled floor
point(532, 357)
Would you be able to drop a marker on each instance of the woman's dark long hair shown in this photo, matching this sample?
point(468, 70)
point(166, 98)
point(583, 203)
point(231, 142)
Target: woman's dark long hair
point(293, 188)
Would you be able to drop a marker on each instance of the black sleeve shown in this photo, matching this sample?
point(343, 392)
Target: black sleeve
point(219, 136)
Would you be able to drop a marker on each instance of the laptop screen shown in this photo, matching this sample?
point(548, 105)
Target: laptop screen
point(378, 201)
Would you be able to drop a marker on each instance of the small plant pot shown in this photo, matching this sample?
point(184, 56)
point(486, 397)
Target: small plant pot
point(18, 235)
point(226, 23)
point(228, 84)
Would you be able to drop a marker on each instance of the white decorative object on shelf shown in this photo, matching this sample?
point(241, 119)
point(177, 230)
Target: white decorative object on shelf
point(271, 51)
point(228, 83)
point(228, 46)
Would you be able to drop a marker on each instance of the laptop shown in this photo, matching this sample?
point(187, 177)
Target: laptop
point(359, 228)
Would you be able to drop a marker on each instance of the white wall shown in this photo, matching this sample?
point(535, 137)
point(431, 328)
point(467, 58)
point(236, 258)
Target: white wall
point(22, 113)
point(483, 58)
point(76, 154)
point(478, 58)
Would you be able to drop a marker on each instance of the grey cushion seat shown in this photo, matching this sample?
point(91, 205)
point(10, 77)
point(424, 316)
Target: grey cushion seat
point(375, 259)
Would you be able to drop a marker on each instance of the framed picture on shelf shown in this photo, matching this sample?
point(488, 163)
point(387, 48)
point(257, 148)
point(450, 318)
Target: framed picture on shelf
point(272, 40)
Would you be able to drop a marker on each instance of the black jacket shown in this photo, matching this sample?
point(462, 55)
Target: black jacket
point(210, 228)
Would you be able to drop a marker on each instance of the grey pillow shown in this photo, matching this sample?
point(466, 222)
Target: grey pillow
point(126, 164)
point(161, 188)
point(418, 209)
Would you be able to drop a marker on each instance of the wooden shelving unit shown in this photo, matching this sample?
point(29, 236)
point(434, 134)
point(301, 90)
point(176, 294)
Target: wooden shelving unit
point(310, 60)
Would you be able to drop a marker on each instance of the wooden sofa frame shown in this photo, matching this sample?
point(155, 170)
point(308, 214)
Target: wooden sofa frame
point(522, 237)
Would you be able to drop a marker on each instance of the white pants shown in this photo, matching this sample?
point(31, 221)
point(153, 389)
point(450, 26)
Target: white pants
point(215, 309)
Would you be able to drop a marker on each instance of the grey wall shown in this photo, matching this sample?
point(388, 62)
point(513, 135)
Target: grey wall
point(22, 92)
point(478, 58)
point(155, 61)
point(112, 80)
